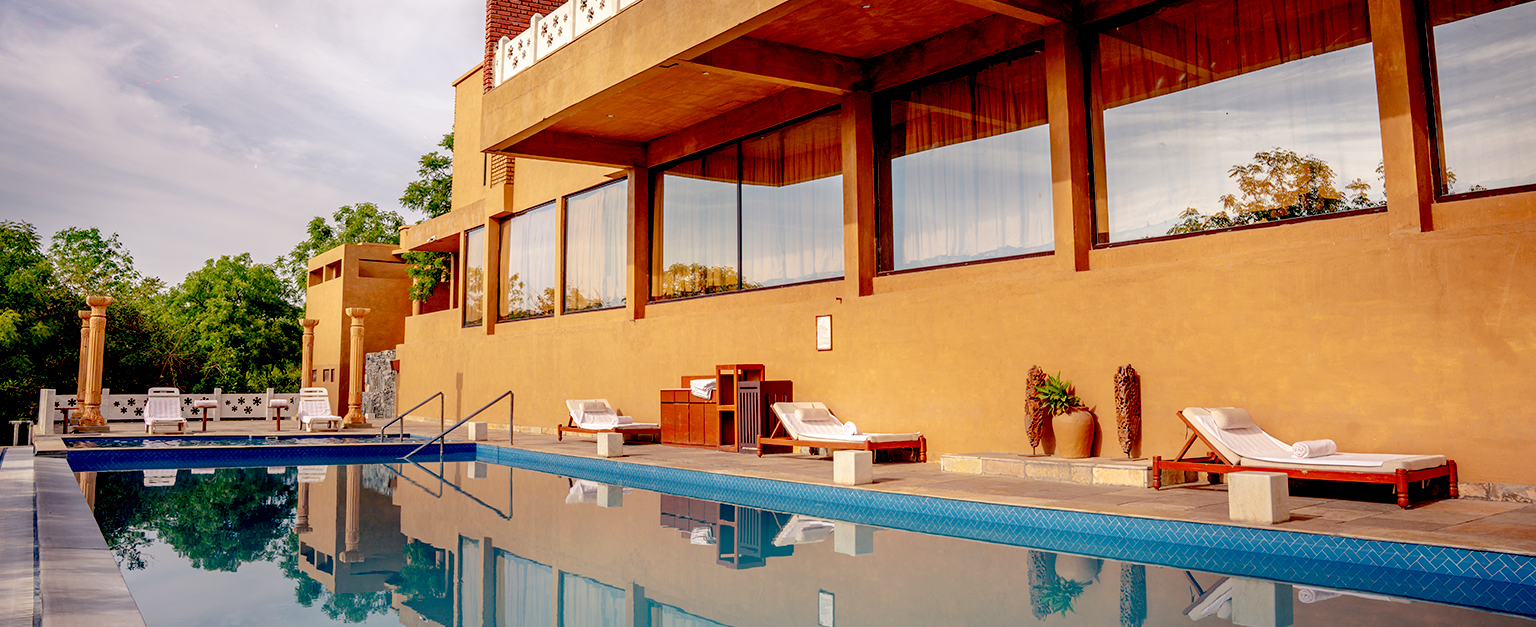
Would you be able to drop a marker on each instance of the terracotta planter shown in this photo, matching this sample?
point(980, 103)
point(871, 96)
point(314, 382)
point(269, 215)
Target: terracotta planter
point(1074, 434)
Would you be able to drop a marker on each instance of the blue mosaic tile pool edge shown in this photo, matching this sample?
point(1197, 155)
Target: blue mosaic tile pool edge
point(1497, 581)
point(110, 459)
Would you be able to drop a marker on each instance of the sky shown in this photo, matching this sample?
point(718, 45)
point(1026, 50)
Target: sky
point(200, 129)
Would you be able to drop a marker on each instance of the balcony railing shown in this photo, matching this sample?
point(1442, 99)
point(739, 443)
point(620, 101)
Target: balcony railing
point(548, 33)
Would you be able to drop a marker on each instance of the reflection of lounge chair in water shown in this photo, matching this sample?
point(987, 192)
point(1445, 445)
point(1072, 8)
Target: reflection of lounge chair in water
point(159, 477)
point(312, 474)
point(583, 491)
point(803, 530)
point(1214, 602)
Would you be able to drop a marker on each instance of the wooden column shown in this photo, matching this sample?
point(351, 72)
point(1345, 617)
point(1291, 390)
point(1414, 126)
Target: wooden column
point(306, 377)
point(90, 418)
point(860, 233)
point(355, 417)
point(1071, 157)
point(1401, 98)
point(638, 243)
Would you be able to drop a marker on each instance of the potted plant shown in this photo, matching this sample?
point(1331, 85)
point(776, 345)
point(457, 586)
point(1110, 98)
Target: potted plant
point(1071, 421)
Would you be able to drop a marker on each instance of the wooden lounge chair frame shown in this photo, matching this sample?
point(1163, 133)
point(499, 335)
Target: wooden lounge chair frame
point(920, 444)
point(1216, 463)
point(639, 432)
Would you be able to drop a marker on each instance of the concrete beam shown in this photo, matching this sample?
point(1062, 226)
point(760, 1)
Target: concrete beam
point(1042, 12)
point(782, 64)
point(574, 148)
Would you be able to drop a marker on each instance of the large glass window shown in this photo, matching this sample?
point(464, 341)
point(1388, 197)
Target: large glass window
point(474, 276)
point(970, 168)
point(528, 287)
point(1485, 59)
point(766, 211)
point(595, 223)
point(1226, 113)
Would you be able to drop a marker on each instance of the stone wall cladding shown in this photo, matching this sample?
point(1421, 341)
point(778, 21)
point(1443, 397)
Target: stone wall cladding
point(379, 387)
point(509, 18)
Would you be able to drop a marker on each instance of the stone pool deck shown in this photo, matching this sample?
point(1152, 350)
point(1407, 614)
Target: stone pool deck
point(1498, 526)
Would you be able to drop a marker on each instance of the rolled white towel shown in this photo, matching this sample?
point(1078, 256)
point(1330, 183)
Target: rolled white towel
point(702, 388)
point(851, 429)
point(1313, 448)
point(1313, 595)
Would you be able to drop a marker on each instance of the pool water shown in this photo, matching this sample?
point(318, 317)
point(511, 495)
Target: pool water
point(462, 544)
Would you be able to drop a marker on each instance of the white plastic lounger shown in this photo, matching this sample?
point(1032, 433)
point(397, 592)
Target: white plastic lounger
point(595, 415)
point(1238, 444)
point(163, 409)
point(315, 411)
point(811, 425)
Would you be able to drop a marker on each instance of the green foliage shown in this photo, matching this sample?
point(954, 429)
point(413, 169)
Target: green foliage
point(217, 522)
point(432, 194)
point(1058, 594)
point(232, 315)
point(361, 223)
point(1057, 396)
point(38, 326)
point(1278, 185)
point(87, 262)
point(427, 270)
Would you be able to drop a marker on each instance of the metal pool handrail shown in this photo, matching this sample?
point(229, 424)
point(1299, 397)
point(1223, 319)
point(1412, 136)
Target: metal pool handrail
point(511, 404)
point(401, 417)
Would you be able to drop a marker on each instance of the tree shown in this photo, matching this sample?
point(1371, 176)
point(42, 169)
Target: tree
point(37, 323)
point(1278, 185)
point(86, 262)
point(234, 315)
point(361, 223)
point(432, 194)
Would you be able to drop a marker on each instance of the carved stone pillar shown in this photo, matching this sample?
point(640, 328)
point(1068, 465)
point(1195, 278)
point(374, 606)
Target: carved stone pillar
point(85, 355)
point(306, 375)
point(91, 419)
point(355, 417)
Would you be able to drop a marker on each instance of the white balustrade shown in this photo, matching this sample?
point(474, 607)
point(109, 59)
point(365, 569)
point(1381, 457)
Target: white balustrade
point(555, 30)
point(590, 13)
point(130, 407)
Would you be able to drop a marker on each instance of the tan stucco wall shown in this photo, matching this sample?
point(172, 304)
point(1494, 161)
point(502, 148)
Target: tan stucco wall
point(1385, 343)
point(371, 277)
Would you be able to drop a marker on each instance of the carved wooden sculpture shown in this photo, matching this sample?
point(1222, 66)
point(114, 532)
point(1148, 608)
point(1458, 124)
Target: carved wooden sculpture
point(1128, 407)
point(1038, 415)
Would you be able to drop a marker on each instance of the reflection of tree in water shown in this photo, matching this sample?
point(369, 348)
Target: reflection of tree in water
point(346, 607)
point(1278, 185)
point(694, 279)
point(217, 522)
point(424, 582)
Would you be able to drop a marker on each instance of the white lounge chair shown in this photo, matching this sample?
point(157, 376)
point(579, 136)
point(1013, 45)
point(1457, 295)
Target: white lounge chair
point(595, 415)
point(811, 425)
point(315, 411)
point(163, 409)
point(1238, 444)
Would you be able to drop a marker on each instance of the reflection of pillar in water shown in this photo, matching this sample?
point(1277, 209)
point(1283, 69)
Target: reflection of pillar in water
point(1133, 595)
point(88, 488)
point(301, 517)
point(1042, 570)
point(354, 503)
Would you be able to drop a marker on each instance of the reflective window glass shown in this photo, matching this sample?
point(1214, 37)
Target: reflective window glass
point(1218, 114)
point(595, 223)
point(970, 168)
point(474, 276)
point(528, 264)
point(696, 248)
point(792, 204)
point(1485, 61)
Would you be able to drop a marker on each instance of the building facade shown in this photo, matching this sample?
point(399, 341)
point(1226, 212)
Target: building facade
point(1321, 211)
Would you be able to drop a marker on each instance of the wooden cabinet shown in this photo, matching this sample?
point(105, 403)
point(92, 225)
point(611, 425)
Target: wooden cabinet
point(688, 420)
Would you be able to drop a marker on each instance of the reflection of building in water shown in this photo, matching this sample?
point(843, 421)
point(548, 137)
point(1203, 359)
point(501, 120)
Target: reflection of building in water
point(353, 542)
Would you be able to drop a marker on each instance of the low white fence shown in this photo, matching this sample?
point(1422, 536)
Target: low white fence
point(130, 407)
point(548, 33)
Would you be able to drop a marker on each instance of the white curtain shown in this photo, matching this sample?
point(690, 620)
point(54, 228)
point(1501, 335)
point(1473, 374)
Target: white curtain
point(970, 168)
point(587, 603)
point(474, 276)
point(525, 592)
point(792, 204)
point(697, 247)
point(528, 263)
point(595, 223)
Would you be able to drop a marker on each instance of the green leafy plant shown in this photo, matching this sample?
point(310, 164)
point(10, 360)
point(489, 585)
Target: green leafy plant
point(1057, 396)
point(1058, 594)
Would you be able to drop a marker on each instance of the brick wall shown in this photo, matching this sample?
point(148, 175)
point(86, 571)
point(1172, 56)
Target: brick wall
point(509, 18)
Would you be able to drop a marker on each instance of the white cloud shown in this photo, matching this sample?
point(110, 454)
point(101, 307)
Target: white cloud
point(201, 129)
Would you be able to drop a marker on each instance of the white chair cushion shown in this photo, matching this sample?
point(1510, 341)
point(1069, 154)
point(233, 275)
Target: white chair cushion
point(1229, 418)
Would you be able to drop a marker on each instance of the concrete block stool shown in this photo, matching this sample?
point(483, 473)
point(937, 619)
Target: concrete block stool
point(1258, 497)
point(610, 445)
point(853, 467)
point(479, 431)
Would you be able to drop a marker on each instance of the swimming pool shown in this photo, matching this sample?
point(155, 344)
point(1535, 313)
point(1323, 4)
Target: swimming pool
point(479, 543)
point(178, 441)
